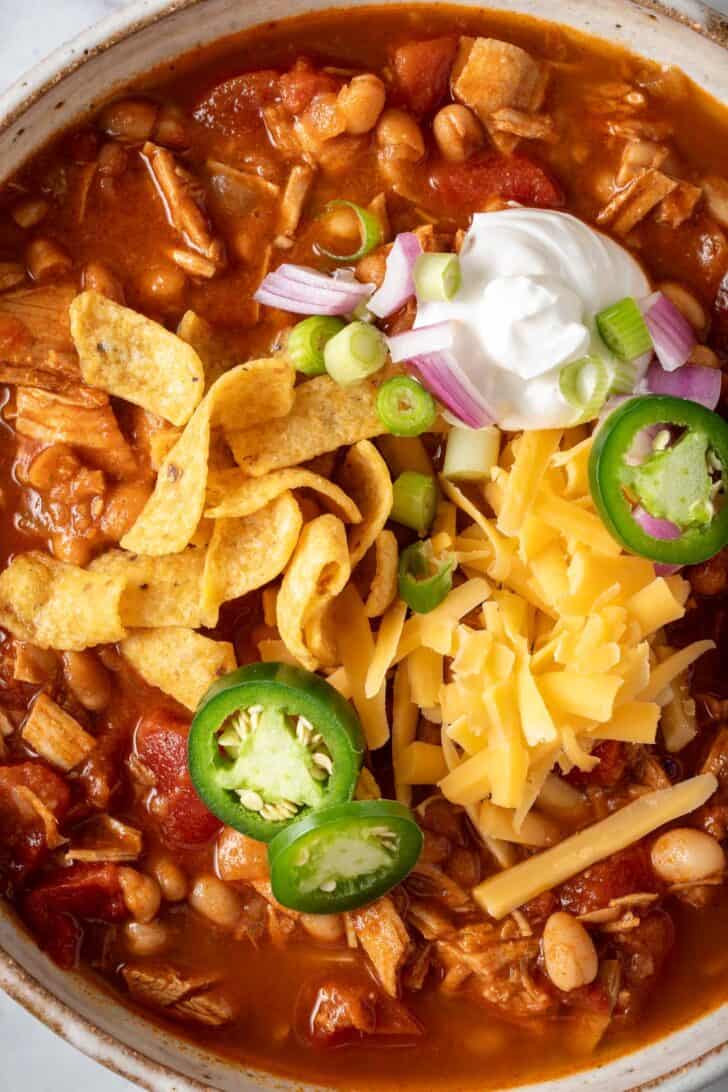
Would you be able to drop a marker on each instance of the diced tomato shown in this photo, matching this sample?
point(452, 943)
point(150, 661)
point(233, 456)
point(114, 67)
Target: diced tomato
point(625, 873)
point(47, 785)
point(161, 744)
point(55, 909)
point(235, 106)
point(469, 186)
point(347, 1008)
point(422, 72)
point(302, 83)
point(612, 764)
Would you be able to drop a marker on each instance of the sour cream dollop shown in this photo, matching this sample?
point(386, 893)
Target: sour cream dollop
point(532, 283)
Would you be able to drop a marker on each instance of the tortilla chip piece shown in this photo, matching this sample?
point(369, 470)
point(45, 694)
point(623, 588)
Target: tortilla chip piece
point(324, 416)
point(159, 591)
point(213, 349)
point(318, 572)
point(57, 605)
point(132, 357)
point(383, 588)
point(182, 663)
point(365, 477)
point(251, 392)
point(244, 554)
point(233, 493)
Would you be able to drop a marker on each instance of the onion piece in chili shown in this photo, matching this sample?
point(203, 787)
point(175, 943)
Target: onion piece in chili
point(304, 291)
point(398, 284)
point(663, 529)
point(693, 382)
point(672, 335)
point(429, 351)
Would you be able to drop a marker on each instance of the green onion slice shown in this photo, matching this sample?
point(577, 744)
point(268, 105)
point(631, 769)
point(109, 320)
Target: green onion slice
point(437, 277)
point(405, 408)
point(624, 377)
point(354, 353)
point(307, 340)
point(415, 500)
point(370, 231)
point(584, 384)
point(471, 454)
point(424, 581)
point(624, 330)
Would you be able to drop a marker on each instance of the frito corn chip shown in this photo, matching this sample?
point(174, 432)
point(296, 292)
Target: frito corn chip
point(252, 392)
point(214, 350)
point(324, 416)
point(159, 591)
point(132, 357)
point(318, 572)
point(57, 605)
point(178, 661)
point(365, 477)
point(383, 587)
point(233, 493)
point(244, 554)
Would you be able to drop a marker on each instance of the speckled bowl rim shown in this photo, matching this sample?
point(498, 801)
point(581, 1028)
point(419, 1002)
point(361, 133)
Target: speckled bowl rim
point(15, 980)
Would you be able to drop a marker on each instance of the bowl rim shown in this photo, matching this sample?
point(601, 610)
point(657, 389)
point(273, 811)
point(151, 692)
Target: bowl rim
point(16, 981)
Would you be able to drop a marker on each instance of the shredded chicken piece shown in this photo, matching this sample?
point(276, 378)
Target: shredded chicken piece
point(428, 881)
point(192, 996)
point(30, 804)
point(186, 216)
point(297, 190)
point(647, 768)
point(501, 972)
point(640, 155)
point(279, 125)
point(679, 205)
point(193, 264)
point(384, 937)
point(56, 418)
point(34, 665)
point(521, 124)
point(44, 312)
point(55, 735)
point(636, 200)
point(103, 838)
point(498, 78)
point(11, 275)
point(431, 922)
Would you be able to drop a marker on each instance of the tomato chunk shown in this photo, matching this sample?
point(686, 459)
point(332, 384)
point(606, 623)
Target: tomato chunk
point(24, 845)
point(612, 764)
point(235, 106)
point(422, 72)
point(161, 744)
point(55, 909)
point(47, 785)
point(471, 185)
point(625, 873)
point(300, 85)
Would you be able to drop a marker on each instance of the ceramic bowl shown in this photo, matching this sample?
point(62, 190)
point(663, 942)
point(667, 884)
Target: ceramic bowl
point(61, 90)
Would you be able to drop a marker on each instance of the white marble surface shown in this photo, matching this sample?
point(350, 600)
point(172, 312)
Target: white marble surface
point(33, 1059)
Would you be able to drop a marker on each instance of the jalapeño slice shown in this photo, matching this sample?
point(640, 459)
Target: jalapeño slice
point(270, 743)
point(344, 857)
point(667, 457)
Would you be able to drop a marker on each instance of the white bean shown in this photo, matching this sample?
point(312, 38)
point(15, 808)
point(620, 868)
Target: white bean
point(685, 855)
point(569, 953)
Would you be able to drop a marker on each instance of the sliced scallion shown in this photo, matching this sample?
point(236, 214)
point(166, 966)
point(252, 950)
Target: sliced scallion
point(404, 406)
point(471, 454)
point(307, 340)
point(584, 384)
point(415, 501)
point(423, 581)
point(354, 353)
point(437, 277)
point(624, 330)
point(624, 377)
point(370, 231)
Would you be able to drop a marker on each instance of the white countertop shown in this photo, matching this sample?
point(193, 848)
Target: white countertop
point(33, 1059)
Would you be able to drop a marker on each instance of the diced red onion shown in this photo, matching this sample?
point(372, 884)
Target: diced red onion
point(429, 351)
point(666, 570)
point(398, 284)
point(305, 291)
point(663, 529)
point(672, 335)
point(693, 382)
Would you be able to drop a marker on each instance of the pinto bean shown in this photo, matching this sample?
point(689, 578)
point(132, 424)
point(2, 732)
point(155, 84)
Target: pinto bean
point(327, 928)
point(97, 277)
point(457, 132)
point(29, 213)
point(685, 855)
point(44, 259)
point(171, 879)
point(569, 954)
point(141, 894)
point(399, 136)
point(129, 120)
point(216, 901)
point(145, 939)
point(162, 287)
point(361, 102)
